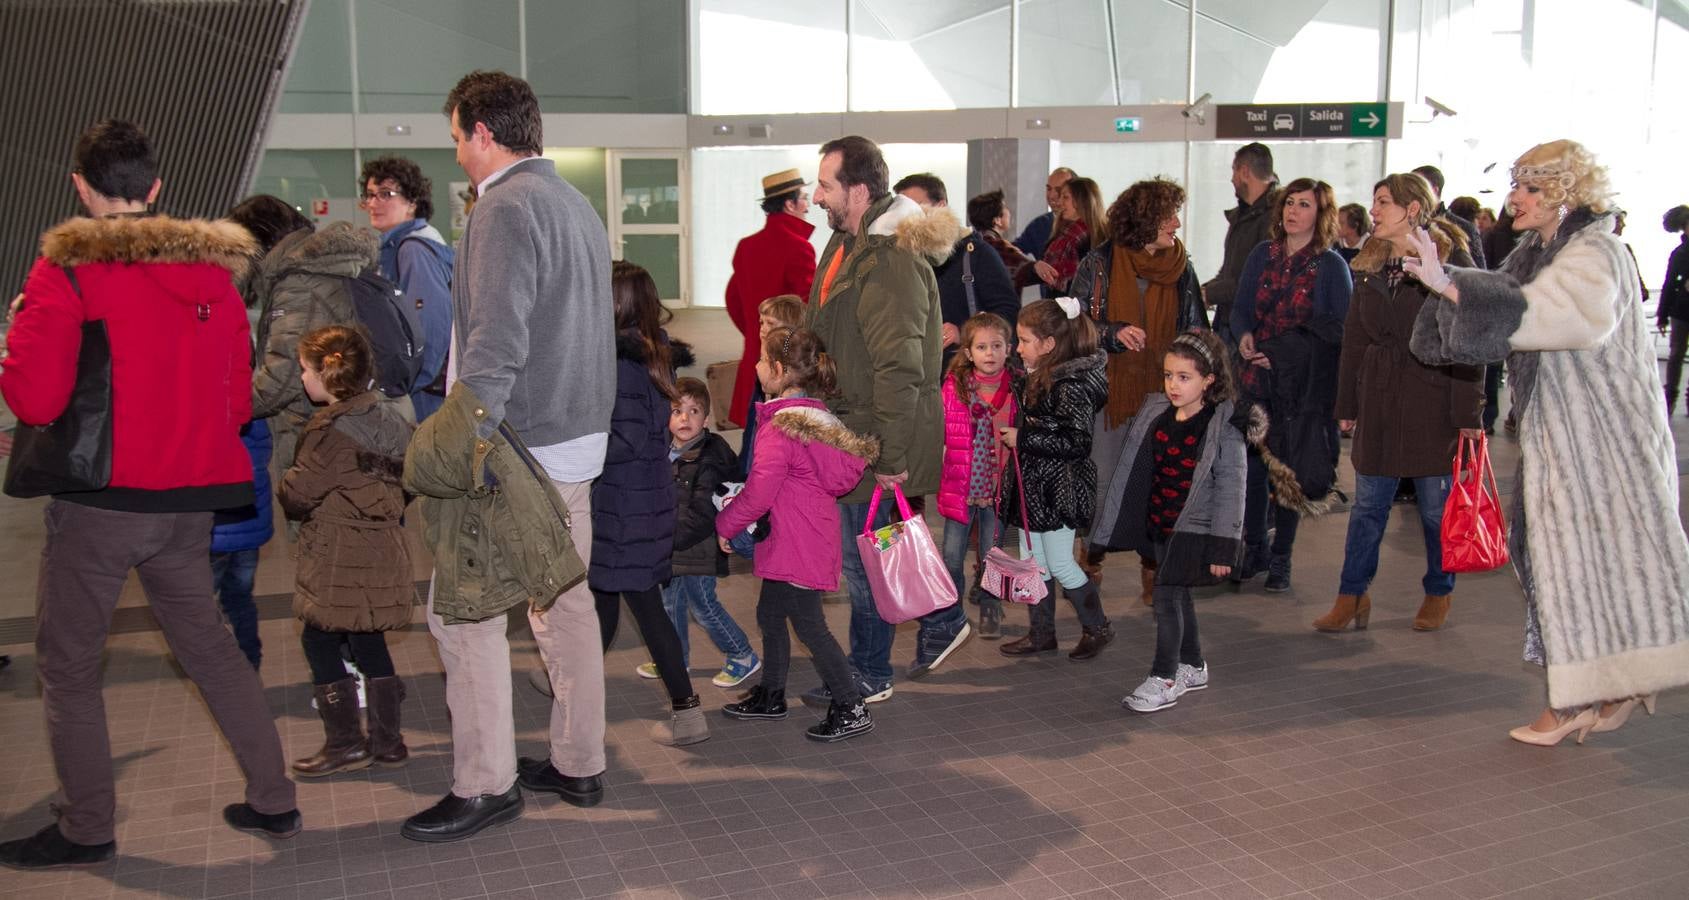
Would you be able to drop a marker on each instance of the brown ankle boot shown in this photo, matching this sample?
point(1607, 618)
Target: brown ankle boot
point(1347, 607)
point(344, 748)
point(386, 742)
point(1432, 613)
point(1034, 642)
point(1146, 577)
point(1090, 560)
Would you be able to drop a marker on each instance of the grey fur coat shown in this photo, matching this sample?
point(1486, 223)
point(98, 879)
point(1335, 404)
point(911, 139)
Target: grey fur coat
point(1595, 537)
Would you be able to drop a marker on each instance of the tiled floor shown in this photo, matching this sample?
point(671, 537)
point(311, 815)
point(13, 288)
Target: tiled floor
point(1363, 765)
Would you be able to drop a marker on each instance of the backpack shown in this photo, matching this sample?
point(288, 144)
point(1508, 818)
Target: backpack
point(393, 328)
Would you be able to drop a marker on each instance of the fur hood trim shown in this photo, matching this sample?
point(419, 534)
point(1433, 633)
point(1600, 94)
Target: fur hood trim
point(340, 239)
point(928, 233)
point(1079, 366)
point(1445, 234)
point(807, 424)
point(1286, 490)
point(150, 239)
point(383, 468)
point(629, 346)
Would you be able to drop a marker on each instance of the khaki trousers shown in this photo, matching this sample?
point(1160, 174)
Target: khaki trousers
point(476, 658)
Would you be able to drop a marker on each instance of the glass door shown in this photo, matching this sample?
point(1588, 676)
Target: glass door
point(647, 216)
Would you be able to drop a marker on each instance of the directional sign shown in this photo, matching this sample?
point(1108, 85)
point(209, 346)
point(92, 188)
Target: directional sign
point(1128, 125)
point(1304, 120)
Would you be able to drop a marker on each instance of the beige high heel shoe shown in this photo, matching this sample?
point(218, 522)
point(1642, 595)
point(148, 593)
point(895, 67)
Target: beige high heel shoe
point(1622, 714)
point(1580, 723)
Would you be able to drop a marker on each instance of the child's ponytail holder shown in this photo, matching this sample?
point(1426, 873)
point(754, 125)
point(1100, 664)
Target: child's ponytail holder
point(1070, 306)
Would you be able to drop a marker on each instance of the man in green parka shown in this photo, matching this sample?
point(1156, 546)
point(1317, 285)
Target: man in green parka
point(875, 305)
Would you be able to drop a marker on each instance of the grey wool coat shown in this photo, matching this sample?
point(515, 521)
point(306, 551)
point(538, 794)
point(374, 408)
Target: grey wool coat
point(1595, 536)
point(1209, 531)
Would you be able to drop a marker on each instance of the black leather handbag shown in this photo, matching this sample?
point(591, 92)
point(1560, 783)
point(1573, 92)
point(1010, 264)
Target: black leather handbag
point(71, 454)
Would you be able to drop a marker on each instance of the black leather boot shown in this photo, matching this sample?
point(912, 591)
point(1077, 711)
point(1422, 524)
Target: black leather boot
point(1095, 637)
point(386, 742)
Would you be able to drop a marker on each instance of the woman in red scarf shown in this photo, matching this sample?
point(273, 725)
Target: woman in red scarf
point(1292, 298)
point(1142, 291)
point(1078, 227)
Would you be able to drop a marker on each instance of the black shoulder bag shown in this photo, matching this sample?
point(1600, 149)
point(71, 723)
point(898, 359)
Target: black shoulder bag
point(71, 454)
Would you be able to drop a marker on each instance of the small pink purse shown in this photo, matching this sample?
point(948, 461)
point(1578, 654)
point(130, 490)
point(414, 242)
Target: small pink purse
point(1008, 578)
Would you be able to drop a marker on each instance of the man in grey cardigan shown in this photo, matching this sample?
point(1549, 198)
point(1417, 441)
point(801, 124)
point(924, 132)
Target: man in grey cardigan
point(533, 338)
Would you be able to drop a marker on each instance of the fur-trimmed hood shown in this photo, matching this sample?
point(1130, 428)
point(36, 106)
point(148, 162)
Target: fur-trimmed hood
point(1444, 233)
point(928, 233)
point(154, 239)
point(340, 249)
point(808, 424)
point(630, 347)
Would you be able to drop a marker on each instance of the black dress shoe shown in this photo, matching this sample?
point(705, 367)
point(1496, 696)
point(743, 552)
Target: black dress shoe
point(455, 818)
point(50, 849)
point(540, 775)
point(242, 817)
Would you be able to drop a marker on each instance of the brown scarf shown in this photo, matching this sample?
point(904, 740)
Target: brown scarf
point(1133, 375)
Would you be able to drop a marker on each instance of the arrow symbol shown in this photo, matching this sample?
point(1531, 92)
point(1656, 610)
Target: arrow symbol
point(1370, 120)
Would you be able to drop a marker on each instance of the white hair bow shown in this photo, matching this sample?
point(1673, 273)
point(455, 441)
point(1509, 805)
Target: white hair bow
point(1070, 306)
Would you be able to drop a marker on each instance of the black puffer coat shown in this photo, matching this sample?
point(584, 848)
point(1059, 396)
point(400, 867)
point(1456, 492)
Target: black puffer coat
point(698, 470)
point(1054, 444)
point(633, 501)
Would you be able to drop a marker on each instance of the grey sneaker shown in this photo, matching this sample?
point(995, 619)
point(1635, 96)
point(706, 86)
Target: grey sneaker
point(1191, 678)
point(1154, 694)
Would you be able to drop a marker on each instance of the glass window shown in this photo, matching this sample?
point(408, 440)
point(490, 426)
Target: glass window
point(320, 77)
point(608, 57)
point(1116, 166)
point(1070, 57)
point(761, 57)
point(412, 52)
point(1292, 52)
point(942, 54)
point(650, 192)
point(583, 167)
point(659, 254)
point(301, 176)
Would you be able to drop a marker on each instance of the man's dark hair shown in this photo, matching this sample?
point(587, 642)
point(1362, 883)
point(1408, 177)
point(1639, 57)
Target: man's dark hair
point(697, 391)
point(777, 203)
point(1676, 219)
point(1433, 175)
point(860, 163)
point(116, 160)
point(268, 219)
point(984, 209)
point(930, 184)
point(1465, 207)
point(503, 103)
point(415, 186)
point(1255, 157)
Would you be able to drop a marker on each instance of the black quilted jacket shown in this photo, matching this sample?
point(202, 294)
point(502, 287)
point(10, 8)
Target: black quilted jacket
point(1055, 447)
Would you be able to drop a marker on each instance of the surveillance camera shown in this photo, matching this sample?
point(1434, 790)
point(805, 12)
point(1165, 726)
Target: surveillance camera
point(1198, 108)
point(1438, 109)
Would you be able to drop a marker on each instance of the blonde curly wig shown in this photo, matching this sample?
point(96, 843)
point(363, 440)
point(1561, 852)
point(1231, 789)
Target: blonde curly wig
point(1567, 173)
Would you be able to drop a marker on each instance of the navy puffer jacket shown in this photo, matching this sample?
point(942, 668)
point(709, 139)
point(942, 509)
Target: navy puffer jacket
point(633, 501)
point(249, 527)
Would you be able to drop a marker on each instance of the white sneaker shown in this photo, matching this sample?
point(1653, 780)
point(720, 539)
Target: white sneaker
point(1154, 694)
point(1191, 678)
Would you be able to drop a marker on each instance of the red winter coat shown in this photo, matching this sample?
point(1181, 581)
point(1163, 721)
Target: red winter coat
point(180, 347)
point(777, 260)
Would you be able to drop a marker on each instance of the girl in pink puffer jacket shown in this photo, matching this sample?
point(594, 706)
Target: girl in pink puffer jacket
point(977, 404)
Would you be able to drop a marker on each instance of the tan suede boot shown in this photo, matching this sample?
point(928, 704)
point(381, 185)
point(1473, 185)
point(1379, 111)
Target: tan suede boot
point(1432, 612)
point(1348, 607)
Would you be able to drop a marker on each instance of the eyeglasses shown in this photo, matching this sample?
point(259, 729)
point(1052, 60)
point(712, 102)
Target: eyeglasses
point(367, 197)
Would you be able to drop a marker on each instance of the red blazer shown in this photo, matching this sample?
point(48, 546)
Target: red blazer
point(180, 347)
point(777, 260)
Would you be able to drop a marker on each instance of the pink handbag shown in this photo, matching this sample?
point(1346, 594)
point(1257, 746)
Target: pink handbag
point(1008, 578)
point(906, 573)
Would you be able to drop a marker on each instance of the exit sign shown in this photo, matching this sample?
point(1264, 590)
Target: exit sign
point(1128, 125)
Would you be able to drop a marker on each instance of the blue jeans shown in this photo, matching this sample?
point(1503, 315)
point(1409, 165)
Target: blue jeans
point(870, 635)
point(1370, 515)
point(955, 547)
point(232, 575)
point(697, 593)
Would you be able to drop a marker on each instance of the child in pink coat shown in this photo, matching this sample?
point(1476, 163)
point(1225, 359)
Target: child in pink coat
point(806, 459)
point(978, 403)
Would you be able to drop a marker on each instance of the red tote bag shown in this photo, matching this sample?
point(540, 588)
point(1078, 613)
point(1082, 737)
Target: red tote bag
point(1474, 531)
